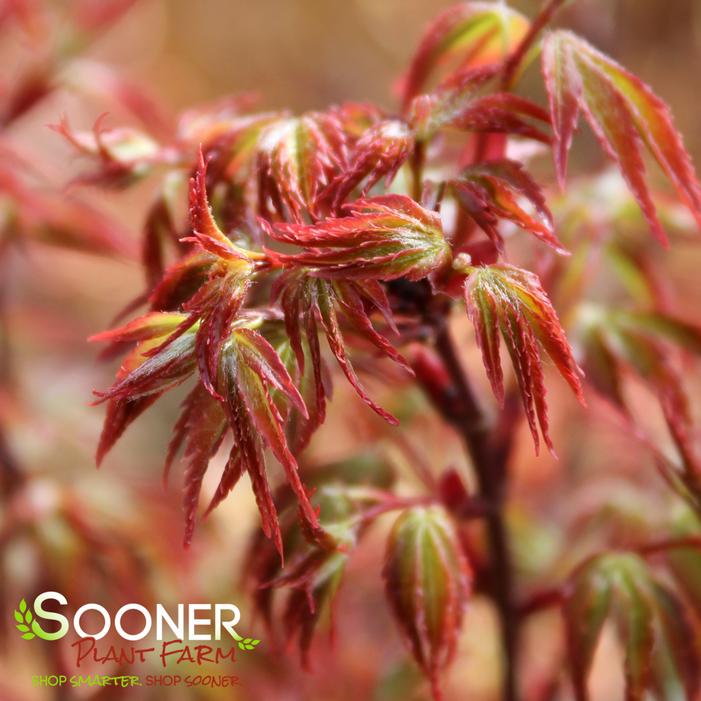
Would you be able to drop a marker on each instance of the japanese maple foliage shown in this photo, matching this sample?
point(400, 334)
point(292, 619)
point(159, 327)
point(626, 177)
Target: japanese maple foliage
point(316, 245)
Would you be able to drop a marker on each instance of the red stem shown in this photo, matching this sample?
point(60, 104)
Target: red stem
point(540, 600)
point(670, 544)
point(394, 504)
point(539, 23)
point(490, 468)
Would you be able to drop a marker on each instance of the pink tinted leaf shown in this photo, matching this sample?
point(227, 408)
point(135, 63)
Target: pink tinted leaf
point(465, 102)
point(121, 155)
point(109, 85)
point(298, 158)
point(310, 304)
point(252, 381)
point(315, 386)
point(352, 305)
point(378, 153)
point(503, 113)
point(206, 232)
point(651, 621)
point(314, 588)
point(217, 308)
point(156, 373)
point(159, 230)
point(564, 94)
point(523, 350)
point(121, 413)
point(512, 301)
point(616, 340)
point(233, 470)
point(252, 457)
point(205, 426)
point(209, 122)
point(624, 114)
point(59, 219)
point(180, 282)
point(504, 190)
point(298, 301)
point(150, 326)
point(655, 124)
point(431, 112)
point(619, 586)
point(635, 619)
point(267, 364)
point(609, 117)
point(329, 322)
point(382, 238)
point(586, 608)
point(678, 637)
point(484, 315)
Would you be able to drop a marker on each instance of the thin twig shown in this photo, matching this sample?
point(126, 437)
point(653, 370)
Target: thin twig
point(470, 421)
point(541, 600)
point(670, 544)
point(539, 23)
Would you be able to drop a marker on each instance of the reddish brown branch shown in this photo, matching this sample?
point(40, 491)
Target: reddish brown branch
point(670, 544)
point(469, 420)
point(540, 600)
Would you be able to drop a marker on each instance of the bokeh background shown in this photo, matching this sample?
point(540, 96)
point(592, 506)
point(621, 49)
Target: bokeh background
point(116, 534)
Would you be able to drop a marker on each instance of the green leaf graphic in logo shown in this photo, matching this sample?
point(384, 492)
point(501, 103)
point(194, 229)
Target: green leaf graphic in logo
point(24, 618)
point(246, 643)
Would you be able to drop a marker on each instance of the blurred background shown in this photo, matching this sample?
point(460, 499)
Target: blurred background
point(116, 534)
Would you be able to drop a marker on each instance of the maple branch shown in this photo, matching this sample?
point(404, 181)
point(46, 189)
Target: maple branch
point(544, 17)
point(393, 504)
point(418, 161)
point(691, 541)
point(470, 421)
point(541, 600)
point(11, 475)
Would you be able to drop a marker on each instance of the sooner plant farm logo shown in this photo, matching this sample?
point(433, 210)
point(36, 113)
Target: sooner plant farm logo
point(196, 635)
point(194, 622)
point(26, 624)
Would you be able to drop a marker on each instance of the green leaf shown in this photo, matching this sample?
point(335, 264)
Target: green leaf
point(22, 605)
point(648, 615)
point(618, 340)
point(623, 112)
point(427, 583)
point(585, 611)
point(675, 663)
point(634, 615)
